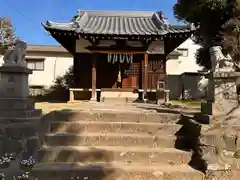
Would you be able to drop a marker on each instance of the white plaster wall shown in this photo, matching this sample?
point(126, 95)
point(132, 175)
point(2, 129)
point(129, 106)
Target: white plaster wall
point(184, 64)
point(54, 65)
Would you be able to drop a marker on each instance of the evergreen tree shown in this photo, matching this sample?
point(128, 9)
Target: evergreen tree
point(209, 17)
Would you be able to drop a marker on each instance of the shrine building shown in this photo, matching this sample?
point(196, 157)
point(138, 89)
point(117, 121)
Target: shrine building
point(118, 52)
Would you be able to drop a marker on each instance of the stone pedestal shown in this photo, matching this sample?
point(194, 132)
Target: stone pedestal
point(14, 94)
point(222, 98)
point(19, 121)
point(118, 95)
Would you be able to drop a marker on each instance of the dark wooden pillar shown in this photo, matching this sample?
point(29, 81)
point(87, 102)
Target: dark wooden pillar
point(145, 75)
point(76, 70)
point(94, 77)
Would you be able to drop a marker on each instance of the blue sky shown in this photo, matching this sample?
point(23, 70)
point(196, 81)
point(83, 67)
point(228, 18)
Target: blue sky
point(27, 15)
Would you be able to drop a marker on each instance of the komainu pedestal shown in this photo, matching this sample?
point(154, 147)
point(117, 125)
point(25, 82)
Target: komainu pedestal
point(14, 94)
point(19, 120)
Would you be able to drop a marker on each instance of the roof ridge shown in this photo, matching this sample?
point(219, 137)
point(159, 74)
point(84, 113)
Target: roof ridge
point(115, 13)
point(121, 16)
point(86, 10)
point(46, 45)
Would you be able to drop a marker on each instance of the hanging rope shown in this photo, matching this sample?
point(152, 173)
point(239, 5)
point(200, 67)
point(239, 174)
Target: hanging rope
point(109, 58)
point(121, 58)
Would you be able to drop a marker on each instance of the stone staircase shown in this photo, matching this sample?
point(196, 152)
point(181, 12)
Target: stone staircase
point(105, 145)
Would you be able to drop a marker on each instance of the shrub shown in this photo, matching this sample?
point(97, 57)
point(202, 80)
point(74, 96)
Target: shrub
point(59, 91)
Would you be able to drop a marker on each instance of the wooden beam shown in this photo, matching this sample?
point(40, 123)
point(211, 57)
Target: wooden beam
point(145, 75)
point(141, 94)
point(118, 52)
point(94, 78)
point(75, 69)
point(146, 43)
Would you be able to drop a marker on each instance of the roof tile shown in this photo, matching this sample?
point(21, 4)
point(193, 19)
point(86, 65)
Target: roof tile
point(118, 23)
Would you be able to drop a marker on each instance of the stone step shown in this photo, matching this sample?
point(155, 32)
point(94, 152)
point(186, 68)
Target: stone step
point(114, 116)
point(118, 127)
point(109, 139)
point(113, 171)
point(108, 154)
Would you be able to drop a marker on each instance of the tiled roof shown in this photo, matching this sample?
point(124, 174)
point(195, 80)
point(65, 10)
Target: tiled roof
point(118, 23)
point(45, 48)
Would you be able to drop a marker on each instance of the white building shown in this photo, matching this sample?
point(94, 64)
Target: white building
point(182, 73)
point(186, 62)
point(47, 63)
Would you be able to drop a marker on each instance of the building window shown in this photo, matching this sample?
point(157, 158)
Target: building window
point(184, 52)
point(35, 64)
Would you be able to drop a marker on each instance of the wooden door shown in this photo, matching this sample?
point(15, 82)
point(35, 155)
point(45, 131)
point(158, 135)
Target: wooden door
point(156, 72)
point(130, 75)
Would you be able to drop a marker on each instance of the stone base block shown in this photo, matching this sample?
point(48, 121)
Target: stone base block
point(93, 100)
point(20, 114)
point(18, 119)
point(118, 96)
point(21, 130)
point(16, 104)
point(203, 118)
point(207, 108)
point(14, 81)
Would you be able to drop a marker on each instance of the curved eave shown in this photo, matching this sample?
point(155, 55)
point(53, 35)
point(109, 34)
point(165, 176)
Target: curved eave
point(58, 31)
point(58, 26)
point(64, 29)
point(127, 36)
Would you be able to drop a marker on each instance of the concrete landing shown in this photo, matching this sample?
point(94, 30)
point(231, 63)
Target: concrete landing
point(111, 106)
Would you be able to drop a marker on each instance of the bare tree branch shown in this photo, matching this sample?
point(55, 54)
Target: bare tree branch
point(7, 37)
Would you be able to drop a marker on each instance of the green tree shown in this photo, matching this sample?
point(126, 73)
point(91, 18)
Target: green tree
point(231, 36)
point(208, 16)
point(7, 37)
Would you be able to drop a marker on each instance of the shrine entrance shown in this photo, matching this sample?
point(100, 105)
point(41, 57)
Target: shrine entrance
point(119, 75)
point(127, 70)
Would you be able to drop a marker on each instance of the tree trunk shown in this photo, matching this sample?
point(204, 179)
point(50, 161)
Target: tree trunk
point(215, 54)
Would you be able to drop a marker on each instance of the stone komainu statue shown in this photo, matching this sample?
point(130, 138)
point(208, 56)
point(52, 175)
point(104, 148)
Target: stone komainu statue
point(203, 84)
point(16, 55)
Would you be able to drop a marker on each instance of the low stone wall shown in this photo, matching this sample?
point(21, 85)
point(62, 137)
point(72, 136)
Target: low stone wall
point(18, 145)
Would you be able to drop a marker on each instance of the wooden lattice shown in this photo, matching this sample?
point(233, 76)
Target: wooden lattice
point(132, 70)
point(155, 65)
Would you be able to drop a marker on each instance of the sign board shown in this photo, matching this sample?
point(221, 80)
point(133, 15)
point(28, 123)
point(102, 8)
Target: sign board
point(156, 47)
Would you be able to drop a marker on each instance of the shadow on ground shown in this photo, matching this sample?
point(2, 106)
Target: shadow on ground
point(168, 108)
point(188, 139)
